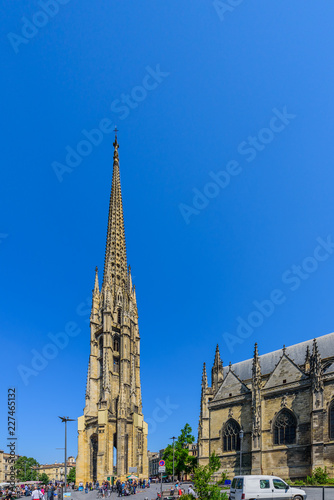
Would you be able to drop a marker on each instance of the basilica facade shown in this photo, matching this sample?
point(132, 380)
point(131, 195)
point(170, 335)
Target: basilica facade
point(275, 412)
point(112, 433)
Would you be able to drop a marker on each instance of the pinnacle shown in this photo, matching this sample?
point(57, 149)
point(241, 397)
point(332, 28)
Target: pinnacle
point(204, 376)
point(96, 284)
point(217, 361)
point(115, 265)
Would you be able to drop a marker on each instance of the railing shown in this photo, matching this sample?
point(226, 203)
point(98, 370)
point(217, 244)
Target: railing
point(318, 492)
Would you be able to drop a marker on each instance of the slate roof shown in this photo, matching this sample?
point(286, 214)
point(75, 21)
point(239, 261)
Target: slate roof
point(295, 352)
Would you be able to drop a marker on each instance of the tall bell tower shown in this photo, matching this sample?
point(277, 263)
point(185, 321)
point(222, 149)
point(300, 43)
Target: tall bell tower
point(112, 434)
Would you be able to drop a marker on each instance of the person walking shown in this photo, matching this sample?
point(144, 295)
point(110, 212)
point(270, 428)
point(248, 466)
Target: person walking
point(191, 491)
point(36, 494)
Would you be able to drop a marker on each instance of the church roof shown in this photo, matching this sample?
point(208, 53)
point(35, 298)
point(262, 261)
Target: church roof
point(295, 352)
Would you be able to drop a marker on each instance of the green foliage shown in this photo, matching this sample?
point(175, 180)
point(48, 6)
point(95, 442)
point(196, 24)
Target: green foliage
point(319, 476)
point(183, 462)
point(44, 478)
point(203, 480)
point(23, 464)
point(223, 478)
point(71, 475)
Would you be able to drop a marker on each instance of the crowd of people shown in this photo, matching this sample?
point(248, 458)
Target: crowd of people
point(48, 492)
point(123, 489)
point(130, 487)
point(179, 491)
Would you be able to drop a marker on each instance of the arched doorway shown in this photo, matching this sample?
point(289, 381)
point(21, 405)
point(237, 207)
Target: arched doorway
point(94, 448)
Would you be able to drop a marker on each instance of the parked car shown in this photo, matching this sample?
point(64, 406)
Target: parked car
point(263, 488)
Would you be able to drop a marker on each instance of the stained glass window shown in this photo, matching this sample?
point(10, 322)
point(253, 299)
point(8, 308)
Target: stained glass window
point(285, 428)
point(231, 439)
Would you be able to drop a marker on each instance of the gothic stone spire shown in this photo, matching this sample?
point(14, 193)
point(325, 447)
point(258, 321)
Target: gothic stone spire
point(256, 398)
point(256, 368)
point(115, 265)
point(96, 299)
point(96, 290)
point(307, 360)
point(316, 369)
point(217, 375)
point(204, 378)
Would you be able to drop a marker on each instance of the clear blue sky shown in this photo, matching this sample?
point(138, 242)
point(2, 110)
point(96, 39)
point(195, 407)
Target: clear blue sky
point(222, 79)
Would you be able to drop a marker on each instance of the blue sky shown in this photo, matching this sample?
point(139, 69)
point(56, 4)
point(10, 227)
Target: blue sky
point(241, 94)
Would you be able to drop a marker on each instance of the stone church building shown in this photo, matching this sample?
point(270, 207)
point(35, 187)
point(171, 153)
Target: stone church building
point(112, 434)
point(283, 402)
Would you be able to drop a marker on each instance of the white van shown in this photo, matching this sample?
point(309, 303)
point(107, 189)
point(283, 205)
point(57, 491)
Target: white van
point(263, 488)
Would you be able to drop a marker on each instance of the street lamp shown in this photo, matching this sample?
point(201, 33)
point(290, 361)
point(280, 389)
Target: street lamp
point(173, 438)
point(241, 436)
point(66, 419)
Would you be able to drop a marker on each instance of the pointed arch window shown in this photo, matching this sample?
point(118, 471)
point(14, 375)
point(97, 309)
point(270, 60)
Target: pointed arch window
point(231, 438)
point(100, 365)
point(285, 427)
point(116, 365)
point(331, 421)
point(116, 344)
point(119, 315)
point(101, 347)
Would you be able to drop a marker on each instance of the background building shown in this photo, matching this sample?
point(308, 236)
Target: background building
point(112, 432)
point(153, 462)
point(5, 465)
point(56, 471)
point(284, 404)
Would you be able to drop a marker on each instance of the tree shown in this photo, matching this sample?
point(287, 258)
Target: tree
point(25, 470)
point(183, 462)
point(44, 478)
point(71, 475)
point(203, 481)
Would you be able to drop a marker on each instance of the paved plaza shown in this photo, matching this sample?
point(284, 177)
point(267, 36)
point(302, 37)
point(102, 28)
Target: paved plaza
point(150, 493)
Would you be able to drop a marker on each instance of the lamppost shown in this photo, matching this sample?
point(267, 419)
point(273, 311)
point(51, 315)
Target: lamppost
point(241, 436)
point(173, 438)
point(66, 419)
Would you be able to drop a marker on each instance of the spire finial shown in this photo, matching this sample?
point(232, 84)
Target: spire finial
point(115, 144)
point(96, 290)
point(256, 350)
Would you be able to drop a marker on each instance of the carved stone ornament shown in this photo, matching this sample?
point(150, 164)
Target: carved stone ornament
point(284, 401)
